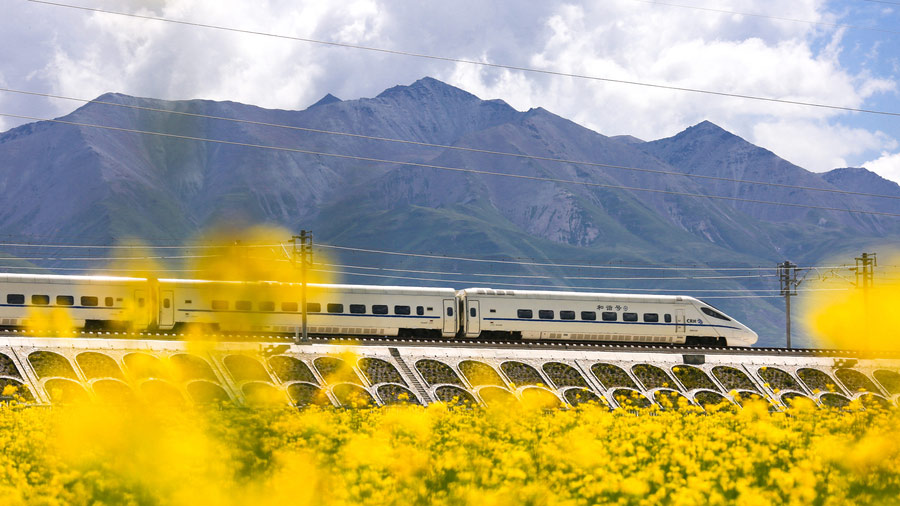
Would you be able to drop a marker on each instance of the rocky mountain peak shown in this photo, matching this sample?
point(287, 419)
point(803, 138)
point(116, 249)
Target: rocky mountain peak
point(429, 89)
point(327, 99)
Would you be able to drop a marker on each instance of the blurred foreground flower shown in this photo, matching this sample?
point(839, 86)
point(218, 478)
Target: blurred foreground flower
point(507, 453)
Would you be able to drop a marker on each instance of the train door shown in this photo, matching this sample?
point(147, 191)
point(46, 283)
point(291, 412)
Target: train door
point(679, 322)
point(140, 316)
point(166, 308)
point(451, 324)
point(473, 318)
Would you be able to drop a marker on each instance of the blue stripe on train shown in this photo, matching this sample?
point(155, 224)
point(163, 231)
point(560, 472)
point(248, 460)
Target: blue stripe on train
point(609, 322)
point(308, 314)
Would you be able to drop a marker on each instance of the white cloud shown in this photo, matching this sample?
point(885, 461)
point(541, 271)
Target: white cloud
point(887, 166)
point(679, 48)
point(84, 55)
point(816, 145)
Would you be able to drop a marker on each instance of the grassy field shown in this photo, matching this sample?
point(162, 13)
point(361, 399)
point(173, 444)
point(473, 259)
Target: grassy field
point(514, 454)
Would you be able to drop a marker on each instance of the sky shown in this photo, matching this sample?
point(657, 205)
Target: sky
point(843, 53)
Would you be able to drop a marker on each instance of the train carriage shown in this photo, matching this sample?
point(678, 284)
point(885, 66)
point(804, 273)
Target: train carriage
point(72, 301)
point(576, 316)
point(351, 310)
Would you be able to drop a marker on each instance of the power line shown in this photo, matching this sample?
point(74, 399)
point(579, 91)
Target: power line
point(447, 168)
point(767, 16)
point(547, 264)
point(76, 269)
point(97, 259)
point(527, 285)
point(422, 255)
point(748, 296)
point(126, 246)
point(473, 62)
point(527, 276)
point(445, 146)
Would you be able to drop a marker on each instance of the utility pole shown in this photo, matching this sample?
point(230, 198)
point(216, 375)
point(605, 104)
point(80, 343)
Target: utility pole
point(303, 250)
point(787, 276)
point(865, 269)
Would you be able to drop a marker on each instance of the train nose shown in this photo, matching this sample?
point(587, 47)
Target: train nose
point(750, 337)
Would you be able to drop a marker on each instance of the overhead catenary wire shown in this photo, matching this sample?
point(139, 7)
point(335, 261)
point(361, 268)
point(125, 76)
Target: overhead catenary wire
point(410, 278)
point(76, 269)
point(530, 276)
point(409, 254)
point(452, 147)
point(446, 168)
point(568, 287)
point(136, 246)
point(712, 296)
point(472, 62)
point(98, 259)
point(549, 264)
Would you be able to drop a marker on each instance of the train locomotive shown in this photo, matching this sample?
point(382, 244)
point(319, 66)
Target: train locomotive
point(149, 304)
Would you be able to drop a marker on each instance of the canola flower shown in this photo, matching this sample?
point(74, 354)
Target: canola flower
point(850, 318)
point(509, 454)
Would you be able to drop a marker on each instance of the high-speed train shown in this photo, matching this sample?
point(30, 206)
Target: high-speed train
point(106, 302)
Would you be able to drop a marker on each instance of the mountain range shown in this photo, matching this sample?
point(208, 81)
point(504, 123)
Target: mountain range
point(578, 197)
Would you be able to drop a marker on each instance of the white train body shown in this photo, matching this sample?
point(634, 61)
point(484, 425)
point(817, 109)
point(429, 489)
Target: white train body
point(579, 316)
point(359, 310)
point(353, 310)
point(80, 299)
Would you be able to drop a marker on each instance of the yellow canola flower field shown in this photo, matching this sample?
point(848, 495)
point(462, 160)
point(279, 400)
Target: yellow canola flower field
point(510, 455)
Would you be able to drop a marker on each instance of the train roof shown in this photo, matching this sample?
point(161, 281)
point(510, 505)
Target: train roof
point(375, 289)
point(585, 296)
point(60, 278)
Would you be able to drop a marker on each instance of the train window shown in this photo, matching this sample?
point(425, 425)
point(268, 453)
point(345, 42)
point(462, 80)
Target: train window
point(141, 302)
point(449, 311)
point(545, 314)
point(15, 298)
point(167, 303)
point(401, 310)
point(188, 301)
point(40, 300)
point(358, 308)
point(379, 309)
point(108, 302)
point(335, 308)
point(220, 305)
point(567, 315)
point(525, 313)
point(89, 301)
point(651, 317)
point(267, 305)
point(473, 312)
point(668, 318)
point(313, 307)
point(65, 300)
point(243, 305)
point(420, 310)
point(588, 315)
point(290, 307)
point(629, 317)
point(610, 316)
point(715, 314)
